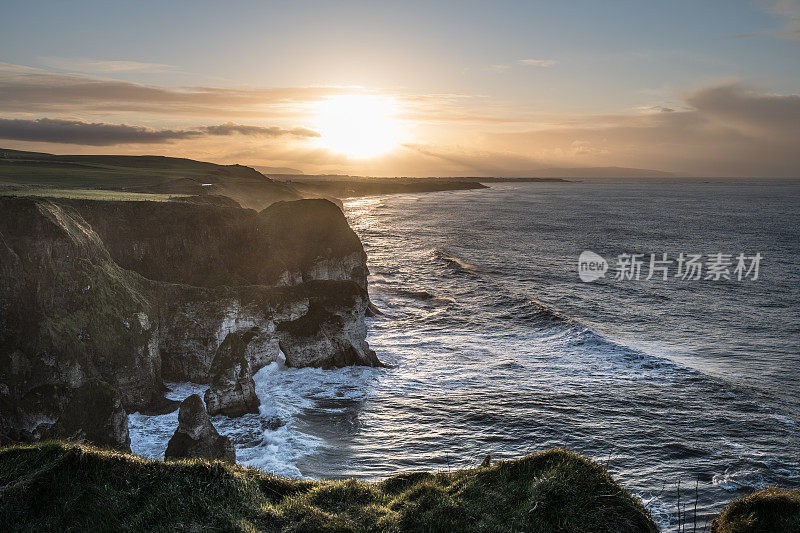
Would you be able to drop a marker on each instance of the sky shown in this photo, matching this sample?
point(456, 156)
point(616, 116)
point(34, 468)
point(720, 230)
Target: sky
point(506, 88)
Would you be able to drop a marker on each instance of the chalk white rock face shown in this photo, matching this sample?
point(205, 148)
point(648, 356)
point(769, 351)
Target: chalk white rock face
point(330, 335)
point(349, 267)
point(194, 331)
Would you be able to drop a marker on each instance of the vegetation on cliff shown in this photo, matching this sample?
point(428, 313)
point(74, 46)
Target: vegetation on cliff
point(57, 486)
point(767, 511)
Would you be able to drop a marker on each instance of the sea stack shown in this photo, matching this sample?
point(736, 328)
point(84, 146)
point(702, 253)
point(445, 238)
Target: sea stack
point(196, 436)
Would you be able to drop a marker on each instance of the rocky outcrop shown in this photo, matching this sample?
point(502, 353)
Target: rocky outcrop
point(89, 291)
point(196, 436)
point(69, 314)
point(331, 331)
point(94, 414)
point(232, 391)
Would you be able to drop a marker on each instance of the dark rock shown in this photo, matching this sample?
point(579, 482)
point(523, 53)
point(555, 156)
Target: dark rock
point(232, 391)
point(72, 314)
point(287, 243)
point(95, 415)
point(196, 436)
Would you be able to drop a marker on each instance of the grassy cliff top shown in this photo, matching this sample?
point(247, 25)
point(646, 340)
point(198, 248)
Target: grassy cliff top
point(50, 175)
point(59, 486)
point(92, 194)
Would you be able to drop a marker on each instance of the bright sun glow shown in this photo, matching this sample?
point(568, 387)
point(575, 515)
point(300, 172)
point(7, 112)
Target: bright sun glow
point(358, 125)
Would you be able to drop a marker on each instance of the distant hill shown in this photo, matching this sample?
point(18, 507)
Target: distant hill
point(540, 174)
point(352, 186)
point(287, 171)
point(598, 172)
point(142, 174)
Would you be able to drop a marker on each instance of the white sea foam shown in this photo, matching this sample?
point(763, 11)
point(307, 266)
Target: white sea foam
point(734, 481)
point(273, 440)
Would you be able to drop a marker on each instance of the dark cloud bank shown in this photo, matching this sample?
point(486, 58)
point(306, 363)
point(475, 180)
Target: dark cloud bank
point(102, 134)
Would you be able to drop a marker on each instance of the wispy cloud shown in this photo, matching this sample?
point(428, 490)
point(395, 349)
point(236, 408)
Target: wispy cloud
point(101, 66)
point(537, 62)
point(787, 12)
point(31, 90)
point(103, 134)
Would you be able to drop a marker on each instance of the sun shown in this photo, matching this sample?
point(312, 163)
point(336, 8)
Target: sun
point(359, 126)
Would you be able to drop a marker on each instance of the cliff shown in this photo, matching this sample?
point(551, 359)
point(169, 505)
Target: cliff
point(57, 487)
point(133, 293)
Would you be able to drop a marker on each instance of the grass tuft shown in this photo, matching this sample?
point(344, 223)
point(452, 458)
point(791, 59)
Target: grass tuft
point(765, 511)
point(65, 486)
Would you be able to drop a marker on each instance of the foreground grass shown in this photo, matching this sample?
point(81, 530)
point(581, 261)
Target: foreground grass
point(60, 486)
point(765, 511)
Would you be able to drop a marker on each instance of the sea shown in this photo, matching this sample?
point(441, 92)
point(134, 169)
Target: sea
point(686, 388)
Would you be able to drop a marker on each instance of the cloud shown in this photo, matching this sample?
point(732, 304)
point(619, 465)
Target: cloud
point(31, 90)
point(499, 68)
point(725, 130)
point(101, 66)
point(26, 90)
point(76, 132)
point(538, 62)
point(229, 128)
point(789, 11)
point(102, 134)
point(749, 112)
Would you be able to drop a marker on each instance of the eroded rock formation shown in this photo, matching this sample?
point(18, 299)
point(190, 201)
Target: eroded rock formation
point(196, 436)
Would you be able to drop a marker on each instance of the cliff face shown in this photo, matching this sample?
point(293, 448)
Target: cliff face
point(136, 292)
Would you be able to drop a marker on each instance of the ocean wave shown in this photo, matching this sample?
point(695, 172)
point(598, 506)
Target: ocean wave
point(740, 480)
point(557, 328)
point(456, 263)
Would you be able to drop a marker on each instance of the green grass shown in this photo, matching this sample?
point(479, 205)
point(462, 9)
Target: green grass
point(112, 171)
point(139, 174)
point(92, 194)
point(87, 171)
point(764, 511)
point(59, 486)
